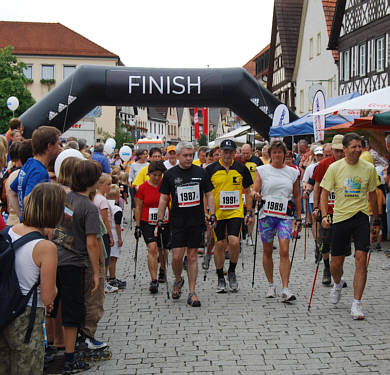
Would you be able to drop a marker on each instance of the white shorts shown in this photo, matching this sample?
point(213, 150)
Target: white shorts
point(115, 251)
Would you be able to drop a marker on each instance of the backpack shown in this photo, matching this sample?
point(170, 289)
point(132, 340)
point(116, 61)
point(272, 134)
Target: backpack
point(12, 302)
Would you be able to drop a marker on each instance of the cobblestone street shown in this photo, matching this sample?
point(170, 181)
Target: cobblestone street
point(244, 333)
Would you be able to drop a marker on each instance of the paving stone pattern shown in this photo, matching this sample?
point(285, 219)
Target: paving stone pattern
point(245, 333)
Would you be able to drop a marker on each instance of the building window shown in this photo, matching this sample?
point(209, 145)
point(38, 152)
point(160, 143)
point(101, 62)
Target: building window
point(310, 48)
point(380, 54)
point(47, 72)
point(68, 70)
point(27, 71)
point(301, 101)
point(362, 60)
point(318, 46)
point(346, 65)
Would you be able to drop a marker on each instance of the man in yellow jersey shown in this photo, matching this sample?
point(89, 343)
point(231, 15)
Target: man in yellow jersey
point(201, 156)
point(229, 178)
point(142, 176)
point(251, 162)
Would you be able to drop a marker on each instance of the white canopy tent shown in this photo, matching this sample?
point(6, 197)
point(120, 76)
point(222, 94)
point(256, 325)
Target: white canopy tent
point(378, 100)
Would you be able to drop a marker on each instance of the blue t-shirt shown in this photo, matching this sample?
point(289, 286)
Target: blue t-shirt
point(100, 158)
point(31, 174)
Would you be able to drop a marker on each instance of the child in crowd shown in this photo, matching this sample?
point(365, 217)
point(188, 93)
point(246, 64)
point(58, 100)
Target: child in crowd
point(113, 197)
point(124, 188)
point(76, 240)
point(100, 201)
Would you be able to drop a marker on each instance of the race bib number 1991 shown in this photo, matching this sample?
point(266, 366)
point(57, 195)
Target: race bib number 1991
point(188, 196)
point(229, 200)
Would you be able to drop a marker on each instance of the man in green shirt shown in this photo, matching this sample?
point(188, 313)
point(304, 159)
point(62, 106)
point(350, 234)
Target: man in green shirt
point(353, 180)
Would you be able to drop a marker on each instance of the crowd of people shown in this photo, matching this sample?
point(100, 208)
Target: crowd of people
point(191, 201)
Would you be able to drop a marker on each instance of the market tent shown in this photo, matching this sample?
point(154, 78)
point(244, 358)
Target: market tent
point(304, 125)
point(378, 100)
point(382, 118)
point(377, 122)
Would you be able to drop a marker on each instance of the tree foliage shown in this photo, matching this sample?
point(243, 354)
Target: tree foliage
point(12, 83)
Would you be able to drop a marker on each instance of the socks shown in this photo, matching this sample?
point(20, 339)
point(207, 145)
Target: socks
point(232, 267)
point(284, 290)
point(339, 285)
point(220, 273)
point(271, 285)
point(69, 357)
point(357, 301)
point(326, 262)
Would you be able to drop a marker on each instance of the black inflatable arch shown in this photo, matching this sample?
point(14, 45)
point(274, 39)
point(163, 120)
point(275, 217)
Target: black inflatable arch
point(92, 85)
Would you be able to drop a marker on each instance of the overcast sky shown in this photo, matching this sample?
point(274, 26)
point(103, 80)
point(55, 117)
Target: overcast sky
point(155, 33)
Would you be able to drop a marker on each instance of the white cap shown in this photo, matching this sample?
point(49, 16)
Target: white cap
point(318, 151)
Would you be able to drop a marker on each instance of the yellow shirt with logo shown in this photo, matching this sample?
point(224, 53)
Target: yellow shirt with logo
point(141, 177)
point(229, 185)
point(351, 183)
point(252, 163)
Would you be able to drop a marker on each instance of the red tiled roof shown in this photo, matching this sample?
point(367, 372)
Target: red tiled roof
point(329, 10)
point(54, 39)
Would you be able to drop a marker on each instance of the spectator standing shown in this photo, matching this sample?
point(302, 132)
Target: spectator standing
point(100, 158)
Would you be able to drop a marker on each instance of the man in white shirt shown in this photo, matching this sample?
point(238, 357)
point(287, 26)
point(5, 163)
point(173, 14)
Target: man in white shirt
point(171, 154)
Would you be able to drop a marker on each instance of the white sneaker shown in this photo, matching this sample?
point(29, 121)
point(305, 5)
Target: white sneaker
point(288, 296)
point(335, 295)
point(356, 311)
point(108, 288)
point(271, 293)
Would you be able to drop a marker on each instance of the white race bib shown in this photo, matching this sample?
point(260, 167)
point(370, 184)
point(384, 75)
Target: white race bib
point(188, 196)
point(331, 199)
point(153, 215)
point(243, 200)
point(276, 207)
point(229, 200)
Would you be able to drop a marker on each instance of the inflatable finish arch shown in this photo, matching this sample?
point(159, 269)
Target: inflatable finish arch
point(92, 85)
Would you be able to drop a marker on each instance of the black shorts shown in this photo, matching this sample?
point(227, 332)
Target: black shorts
point(233, 226)
point(148, 234)
point(191, 237)
point(106, 241)
point(70, 282)
point(358, 227)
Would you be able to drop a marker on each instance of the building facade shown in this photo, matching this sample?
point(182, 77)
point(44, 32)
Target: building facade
point(315, 66)
point(52, 52)
point(258, 66)
point(360, 32)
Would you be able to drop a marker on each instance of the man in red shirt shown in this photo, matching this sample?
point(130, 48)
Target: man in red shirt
point(318, 175)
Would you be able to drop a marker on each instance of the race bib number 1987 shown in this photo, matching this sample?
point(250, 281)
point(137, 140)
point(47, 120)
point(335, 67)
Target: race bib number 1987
point(188, 196)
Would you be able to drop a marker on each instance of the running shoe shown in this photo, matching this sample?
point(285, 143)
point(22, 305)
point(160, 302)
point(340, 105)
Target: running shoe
point(233, 284)
point(386, 267)
point(95, 344)
point(271, 292)
point(153, 287)
point(326, 279)
point(356, 311)
point(221, 288)
point(74, 367)
point(117, 283)
point(378, 247)
point(108, 288)
point(344, 282)
point(288, 296)
point(335, 295)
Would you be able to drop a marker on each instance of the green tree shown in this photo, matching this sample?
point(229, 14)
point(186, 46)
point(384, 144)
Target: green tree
point(121, 135)
point(12, 83)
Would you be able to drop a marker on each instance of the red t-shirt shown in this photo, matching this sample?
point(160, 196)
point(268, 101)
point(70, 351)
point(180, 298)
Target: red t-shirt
point(318, 175)
point(150, 196)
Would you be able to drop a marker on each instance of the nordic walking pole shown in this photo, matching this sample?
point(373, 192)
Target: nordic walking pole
point(294, 234)
point(135, 258)
point(207, 255)
point(162, 258)
point(304, 251)
point(318, 261)
point(254, 251)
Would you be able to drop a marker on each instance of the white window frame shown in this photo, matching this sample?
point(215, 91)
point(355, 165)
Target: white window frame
point(301, 100)
point(311, 48)
point(29, 67)
point(318, 45)
point(380, 54)
point(346, 65)
point(67, 66)
point(48, 65)
point(362, 60)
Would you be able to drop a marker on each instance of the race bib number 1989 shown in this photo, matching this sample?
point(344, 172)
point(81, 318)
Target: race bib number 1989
point(188, 196)
point(276, 207)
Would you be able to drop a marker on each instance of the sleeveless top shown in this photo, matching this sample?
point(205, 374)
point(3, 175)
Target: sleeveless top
point(26, 270)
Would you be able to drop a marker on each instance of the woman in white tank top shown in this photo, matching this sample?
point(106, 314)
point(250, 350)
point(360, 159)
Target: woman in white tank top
point(43, 208)
point(278, 186)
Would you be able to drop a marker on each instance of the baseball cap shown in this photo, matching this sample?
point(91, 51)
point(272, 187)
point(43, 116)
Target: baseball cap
point(171, 148)
point(228, 144)
point(318, 151)
point(337, 142)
